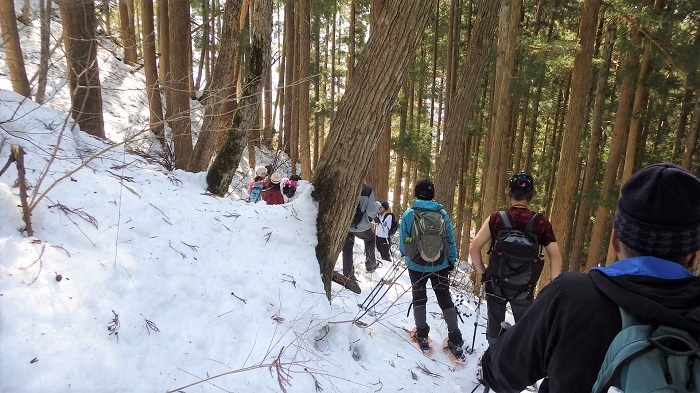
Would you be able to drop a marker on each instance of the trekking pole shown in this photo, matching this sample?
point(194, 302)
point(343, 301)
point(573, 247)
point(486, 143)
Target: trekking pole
point(476, 319)
point(370, 297)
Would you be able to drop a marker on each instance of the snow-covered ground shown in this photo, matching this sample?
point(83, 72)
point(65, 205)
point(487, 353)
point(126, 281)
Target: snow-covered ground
point(137, 280)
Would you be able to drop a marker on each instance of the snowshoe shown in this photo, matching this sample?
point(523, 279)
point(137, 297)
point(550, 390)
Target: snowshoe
point(422, 342)
point(455, 352)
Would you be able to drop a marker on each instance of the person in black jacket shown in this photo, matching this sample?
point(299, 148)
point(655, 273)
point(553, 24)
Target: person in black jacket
point(565, 334)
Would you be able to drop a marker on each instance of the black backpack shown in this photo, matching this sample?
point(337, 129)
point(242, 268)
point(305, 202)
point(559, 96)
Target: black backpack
point(359, 213)
point(515, 260)
point(394, 225)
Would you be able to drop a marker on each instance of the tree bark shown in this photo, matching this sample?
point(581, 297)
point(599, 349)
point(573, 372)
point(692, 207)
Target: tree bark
point(378, 176)
point(304, 45)
point(601, 227)
point(564, 186)
point(13, 50)
point(79, 38)
point(179, 85)
point(45, 32)
point(151, 71)
point(257, 64)
point(218, 91)
point(126, 24)
point(354, 132)
point(454, 134)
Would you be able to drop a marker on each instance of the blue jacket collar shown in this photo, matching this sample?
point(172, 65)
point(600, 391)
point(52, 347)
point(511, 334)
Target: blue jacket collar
point(646, 266)
point(426, 205)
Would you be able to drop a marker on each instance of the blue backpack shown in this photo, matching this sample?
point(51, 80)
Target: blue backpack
point(646, 357)
point(255, 192)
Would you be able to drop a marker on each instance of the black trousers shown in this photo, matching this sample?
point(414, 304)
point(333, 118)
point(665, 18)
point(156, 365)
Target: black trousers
point(368, 237)
point(383, 247)
point(497, 311)
point(440, 282)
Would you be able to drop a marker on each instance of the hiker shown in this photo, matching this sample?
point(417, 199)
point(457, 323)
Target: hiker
point(289, 187)
point(498, 294)
point(260, 176)
point(361, 226)
point(256, 186)
point(564, 336)
point(272, 193)
point(427, 242)
point(383, 227)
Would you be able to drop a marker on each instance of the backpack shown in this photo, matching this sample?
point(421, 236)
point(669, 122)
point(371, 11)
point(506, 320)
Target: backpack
point(394, 225)
point(515, 260)
point(427, 246)
point(255, 192)
point(650, 358)
point(359, 213)
point(289, 188)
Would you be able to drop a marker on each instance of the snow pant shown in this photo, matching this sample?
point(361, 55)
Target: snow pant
point(497, 313)
point(441, 286)
point(371, 261)
point(383, 246)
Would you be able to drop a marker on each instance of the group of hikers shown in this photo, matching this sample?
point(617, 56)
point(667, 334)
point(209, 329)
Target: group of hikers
point(272, 189)
point(633, 325)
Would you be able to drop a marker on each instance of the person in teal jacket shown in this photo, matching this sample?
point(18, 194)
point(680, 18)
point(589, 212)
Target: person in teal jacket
point(437, 272)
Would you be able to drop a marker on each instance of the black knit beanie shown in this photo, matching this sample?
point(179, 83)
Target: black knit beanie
point(658, 212)
point(425, 190)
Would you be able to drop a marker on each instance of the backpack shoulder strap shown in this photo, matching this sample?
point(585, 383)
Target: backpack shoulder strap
point(531, 223)
point(506, 220)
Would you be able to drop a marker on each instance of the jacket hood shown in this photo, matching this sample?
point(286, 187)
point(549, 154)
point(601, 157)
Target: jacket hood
point(426, 205)
point(652, 289)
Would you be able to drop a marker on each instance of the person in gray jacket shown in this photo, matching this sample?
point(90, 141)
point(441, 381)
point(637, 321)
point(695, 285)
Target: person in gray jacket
point(361, 226)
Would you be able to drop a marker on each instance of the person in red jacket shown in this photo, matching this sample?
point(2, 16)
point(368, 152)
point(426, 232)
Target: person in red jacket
point(272, 194)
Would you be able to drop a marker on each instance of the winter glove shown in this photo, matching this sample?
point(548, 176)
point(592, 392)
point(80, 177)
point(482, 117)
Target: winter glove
point(450, 266)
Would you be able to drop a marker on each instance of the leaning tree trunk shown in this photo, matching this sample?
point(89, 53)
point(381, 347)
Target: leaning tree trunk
point(358, 123)
point(448, 167)
point(78, 17)
point(13, 51)
point(217, 90)
point(227, 160)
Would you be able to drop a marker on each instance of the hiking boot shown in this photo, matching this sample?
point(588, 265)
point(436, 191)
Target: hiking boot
point(371, 267)
point(423, 343)
point(455, 348)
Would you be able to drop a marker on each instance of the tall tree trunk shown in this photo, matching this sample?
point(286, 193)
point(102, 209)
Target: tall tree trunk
point(454, 135)
point(304, 13)
point(79, 39)
point(564, 186)
point(601, 227)
point(351, 39)
point(45, 18)
point(126, 24)
point(290, 53)
point(499, 124)
point(378, 177)
point(692, 140)
point(218, 90)
point(354, 135)
point(149, 64)
point(257, 64)
point(399, 175)
point(179, 18)
point(580, 234)
point(13, 50)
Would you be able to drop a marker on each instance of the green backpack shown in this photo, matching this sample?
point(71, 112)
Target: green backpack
point(650, 358)
point(427, 245)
